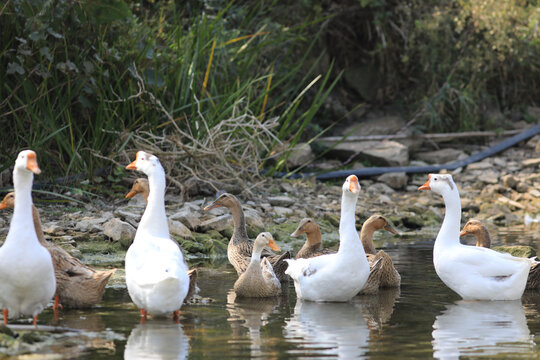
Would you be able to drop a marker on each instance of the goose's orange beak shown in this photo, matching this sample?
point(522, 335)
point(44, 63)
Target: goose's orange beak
point(426, 185)
point(354, 187)
point(272, 245)
point(132, 166)
point(31, 163)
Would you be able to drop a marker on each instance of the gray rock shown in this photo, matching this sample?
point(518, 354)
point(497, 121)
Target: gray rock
point(531, 162)
point(119, 230)
point(510, 181)
point(218, 223)
point(53, 229)
point(253, 218)
point(127, 215)
point(482, 165)
point(394, 180)
point(380, 188)
point(441, 156)
point(300, 155)
point(280, 201)
point(179, 229)
point(522, 187)
point(89, 224)
point(282, 211)
point(489, 177)
point(376, 125)
point(188, 217)
point(381, 153)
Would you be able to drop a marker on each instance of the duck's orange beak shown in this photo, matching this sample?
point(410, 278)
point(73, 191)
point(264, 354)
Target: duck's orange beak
point(31, 163)
point(212, 206)
point(463, 233)
point(272, 245)
point(3, 206)
point(354, 187)
point(131, 194)
point(132, 166)
point(426, 185)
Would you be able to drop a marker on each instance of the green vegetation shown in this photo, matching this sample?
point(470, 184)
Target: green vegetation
point(229, 84)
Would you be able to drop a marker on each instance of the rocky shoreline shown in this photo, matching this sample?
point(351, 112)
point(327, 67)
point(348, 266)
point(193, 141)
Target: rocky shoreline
point(502, 191)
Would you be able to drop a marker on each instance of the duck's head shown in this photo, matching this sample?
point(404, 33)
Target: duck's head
point(439, 183)
point(140, 186)
point(351, 185)
point(266, 239)
point(306, 226)
point(226, 199)
point(472, 227)
point(27, 161)
point(8, 201)
point(377, 222)
point(144, 162)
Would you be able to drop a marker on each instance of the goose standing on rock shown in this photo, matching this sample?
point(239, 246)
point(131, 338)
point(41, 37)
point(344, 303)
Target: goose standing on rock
point(340, 276)
point(140, 186)
point(480, 232)
point(259, 279)
point(77, 285)
point(475, 273)
point(27, 281)
point(240, 247)
point(156, 273)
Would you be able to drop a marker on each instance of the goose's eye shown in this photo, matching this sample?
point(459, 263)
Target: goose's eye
point(435, 179)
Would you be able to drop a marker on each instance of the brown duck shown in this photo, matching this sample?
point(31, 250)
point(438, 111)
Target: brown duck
point(77, 285)
point(240, 247)
point(141, 186)
point(480, 232)
point(259, 279)
point(382, 272)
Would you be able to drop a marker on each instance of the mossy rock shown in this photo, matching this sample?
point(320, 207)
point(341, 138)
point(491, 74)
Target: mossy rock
point(211, 243)
point(6, 341)
point(7, 331)
point(227, 233)
point(517, 250)
point(101, 247)
point(31, 337)
point(253, 231)
point(331, 218)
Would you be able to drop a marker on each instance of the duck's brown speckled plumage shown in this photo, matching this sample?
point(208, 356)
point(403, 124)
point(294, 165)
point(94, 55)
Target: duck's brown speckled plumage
point(240, 246)
point(77, 285)
point(480, 232)
point(259, 279)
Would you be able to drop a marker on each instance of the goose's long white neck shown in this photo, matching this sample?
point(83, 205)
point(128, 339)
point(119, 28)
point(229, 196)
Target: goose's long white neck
point(22, 220)
point(349, 240)
point(449, 232)
point(154, 219)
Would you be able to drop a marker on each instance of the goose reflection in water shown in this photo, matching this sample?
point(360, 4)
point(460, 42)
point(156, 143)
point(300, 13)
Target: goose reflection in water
point(250, 313)
point(483, 328)
point(157, 339)
point(332, 329)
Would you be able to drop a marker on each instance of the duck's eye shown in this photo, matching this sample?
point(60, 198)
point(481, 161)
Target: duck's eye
point(309, 221)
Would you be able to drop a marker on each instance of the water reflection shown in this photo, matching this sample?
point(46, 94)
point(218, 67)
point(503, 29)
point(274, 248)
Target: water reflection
point(157, 339)
point(377, 309)
point(250, 313)
point(327, 329)
point(481, 328)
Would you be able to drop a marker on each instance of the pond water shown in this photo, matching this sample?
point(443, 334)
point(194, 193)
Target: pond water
point(423, 319)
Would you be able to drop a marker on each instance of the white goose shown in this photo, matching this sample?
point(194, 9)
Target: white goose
point(339, 276)
point(27, 281)
point(474, 273)
point(156, 275)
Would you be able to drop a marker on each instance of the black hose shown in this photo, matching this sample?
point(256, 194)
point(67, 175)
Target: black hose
point(372, 171)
